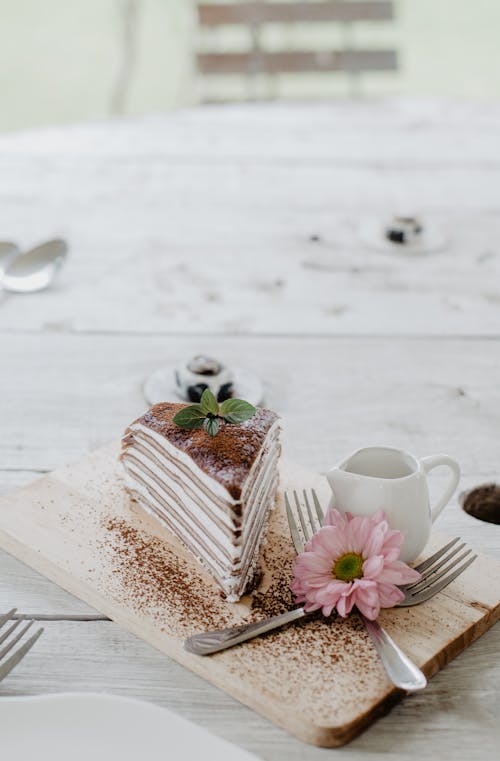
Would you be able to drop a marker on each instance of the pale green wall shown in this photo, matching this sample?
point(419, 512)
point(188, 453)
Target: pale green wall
point(451, 47)
point(71, 60)
point(61, 60)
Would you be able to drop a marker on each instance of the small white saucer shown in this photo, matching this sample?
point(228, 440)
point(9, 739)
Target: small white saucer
point(160, 386)
point(372, 234)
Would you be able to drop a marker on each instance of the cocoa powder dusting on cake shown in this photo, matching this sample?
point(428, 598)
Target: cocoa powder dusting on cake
point(227, 457)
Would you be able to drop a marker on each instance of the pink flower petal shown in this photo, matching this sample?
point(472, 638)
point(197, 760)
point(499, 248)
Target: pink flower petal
point(392, 545)
point(310, 607)
point(358, 533)
point(367, 599)
point(397, 572)
point(393, 540)
point(378, 517)
point(327, 609)
point(389, 595)
point(329, 542)
point(373, 566)
point(331, 593)
point(380, 546)
point(345, 604)
point(313, 562)
point(334, 518)
point(375, 541)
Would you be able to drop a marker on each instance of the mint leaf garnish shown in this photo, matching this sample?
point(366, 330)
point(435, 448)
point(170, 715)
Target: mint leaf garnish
point(208, 414)
point(190, 417)
point(211, 425)
point(236, 410)
point(209, 403)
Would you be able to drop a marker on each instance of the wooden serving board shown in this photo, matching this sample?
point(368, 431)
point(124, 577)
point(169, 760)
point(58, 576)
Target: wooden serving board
point(321, 680)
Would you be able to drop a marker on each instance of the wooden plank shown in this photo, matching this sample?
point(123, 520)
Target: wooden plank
point(107, 372)
point(393, 133)
point(301, 269)
point(282, 13)
point(33, 594)
point(258, 181)
point(370, 150)
point(12, 479)
point(425, 395)
point(67, 525)
point(102, 657)
point(261, 62)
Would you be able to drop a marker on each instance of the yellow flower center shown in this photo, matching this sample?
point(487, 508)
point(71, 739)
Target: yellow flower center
point(348, 567)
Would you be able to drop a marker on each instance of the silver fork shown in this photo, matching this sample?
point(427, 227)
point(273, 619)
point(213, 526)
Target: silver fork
point(439, 570)
point(401, 670)
point(6, 665)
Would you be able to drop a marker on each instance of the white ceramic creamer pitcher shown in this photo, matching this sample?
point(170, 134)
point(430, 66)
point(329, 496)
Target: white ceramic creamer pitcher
point(376, 478)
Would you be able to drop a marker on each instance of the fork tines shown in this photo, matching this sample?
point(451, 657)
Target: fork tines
point(8, 641)
point(437, 571)
point(310, 520)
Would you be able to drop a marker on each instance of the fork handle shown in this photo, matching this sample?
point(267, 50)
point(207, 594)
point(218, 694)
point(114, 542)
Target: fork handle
point(401, 670)
point(206, 643)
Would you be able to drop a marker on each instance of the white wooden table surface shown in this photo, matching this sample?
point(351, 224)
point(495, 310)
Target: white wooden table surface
point(232, 231)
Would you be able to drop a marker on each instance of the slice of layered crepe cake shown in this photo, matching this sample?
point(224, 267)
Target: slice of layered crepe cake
point(214, 493)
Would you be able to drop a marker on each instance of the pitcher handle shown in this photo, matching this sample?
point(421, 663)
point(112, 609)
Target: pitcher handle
point(433, 461)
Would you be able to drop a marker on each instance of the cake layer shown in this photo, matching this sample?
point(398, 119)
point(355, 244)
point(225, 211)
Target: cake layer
point(232, 579)
point(201, 486)
point(218, 502)
point(226, 458)
point(229, 548)
point(197, 521)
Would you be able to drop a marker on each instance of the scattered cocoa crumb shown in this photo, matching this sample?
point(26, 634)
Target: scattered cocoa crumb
point(332, 657)
point(153, 576)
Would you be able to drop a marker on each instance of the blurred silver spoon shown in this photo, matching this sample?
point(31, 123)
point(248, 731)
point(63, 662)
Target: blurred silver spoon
point(34, 270)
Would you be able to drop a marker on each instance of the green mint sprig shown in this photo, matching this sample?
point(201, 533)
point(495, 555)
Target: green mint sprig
point(208, 413)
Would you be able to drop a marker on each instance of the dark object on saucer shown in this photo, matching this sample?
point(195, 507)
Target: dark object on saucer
point(483, 503)
point(404, 230)
point(196, 392)
point(200, 373)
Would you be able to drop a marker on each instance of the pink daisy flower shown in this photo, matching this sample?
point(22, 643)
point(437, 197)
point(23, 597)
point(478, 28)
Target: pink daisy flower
point(352, 561)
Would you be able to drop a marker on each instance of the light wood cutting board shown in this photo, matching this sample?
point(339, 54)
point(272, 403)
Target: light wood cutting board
point(321, 680)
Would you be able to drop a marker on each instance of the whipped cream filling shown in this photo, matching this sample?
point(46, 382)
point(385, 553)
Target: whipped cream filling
point(165, 473)
point(169, 496)
point(169, 488)
point(197, 474)
point(231, 577)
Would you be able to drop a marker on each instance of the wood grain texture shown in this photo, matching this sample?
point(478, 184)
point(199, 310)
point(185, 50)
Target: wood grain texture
point(205, 220)
point(456, 714)
point(79, 528)
point(277, 194)
point(78, 392)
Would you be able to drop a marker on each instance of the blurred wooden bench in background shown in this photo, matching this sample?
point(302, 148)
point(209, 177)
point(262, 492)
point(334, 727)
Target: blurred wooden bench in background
point(256, 61)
